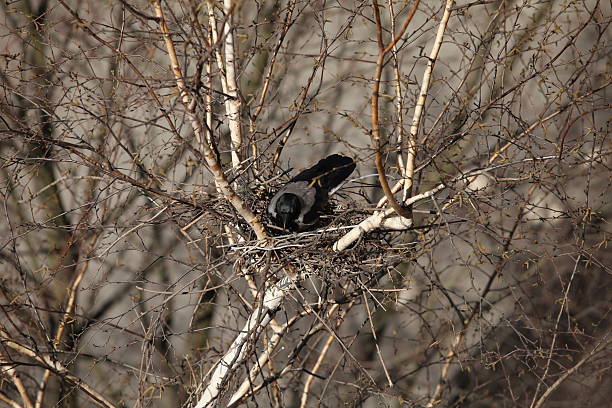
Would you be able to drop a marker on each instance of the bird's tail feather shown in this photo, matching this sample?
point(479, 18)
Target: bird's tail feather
point(328, 172)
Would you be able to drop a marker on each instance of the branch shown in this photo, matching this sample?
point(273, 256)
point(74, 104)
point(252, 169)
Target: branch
point(377, 220)
point(261, 361)
point(47, 362)
point(445, 368)
point(404, 212)
point(569, 372)
point(9, 370)
point(256, 323)
point(551, 349)
point(220, 179)
point(399, 106)
point(70, 305)
point(228, 77)
point(418, 109)
point(320, 360)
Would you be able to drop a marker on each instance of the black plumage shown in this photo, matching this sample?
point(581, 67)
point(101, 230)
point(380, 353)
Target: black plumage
point(298, 204)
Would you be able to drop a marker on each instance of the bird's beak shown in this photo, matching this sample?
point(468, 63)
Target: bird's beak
point(284, 219)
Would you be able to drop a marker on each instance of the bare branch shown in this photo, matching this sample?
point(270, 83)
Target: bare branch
point(209, 155)
point(383, 50)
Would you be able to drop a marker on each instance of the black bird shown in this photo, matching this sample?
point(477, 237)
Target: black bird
point(297, 205)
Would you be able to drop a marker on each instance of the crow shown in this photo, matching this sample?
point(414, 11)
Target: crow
point(298, 204)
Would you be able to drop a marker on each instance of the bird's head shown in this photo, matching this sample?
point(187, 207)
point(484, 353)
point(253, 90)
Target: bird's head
point(288, 209)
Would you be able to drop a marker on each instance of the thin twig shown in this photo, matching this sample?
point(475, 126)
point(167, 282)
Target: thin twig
point(320, 359)
point(9, 370)
point(569, 372)
point(551, 349)
point(262, 360)
point(383, 50)
point(220, 179)
point(58, 368)
point(380, 357)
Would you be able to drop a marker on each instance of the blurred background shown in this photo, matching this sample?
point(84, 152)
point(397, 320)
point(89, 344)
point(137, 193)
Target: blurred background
point(126, 273)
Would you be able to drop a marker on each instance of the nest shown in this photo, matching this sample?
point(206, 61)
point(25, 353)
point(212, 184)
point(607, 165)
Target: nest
point(311, 252)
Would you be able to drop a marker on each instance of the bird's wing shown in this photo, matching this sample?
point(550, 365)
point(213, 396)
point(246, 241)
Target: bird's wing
point(328, 172)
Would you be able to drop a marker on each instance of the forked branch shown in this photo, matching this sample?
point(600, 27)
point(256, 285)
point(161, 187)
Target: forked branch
point(382, 51)
point(211, 160)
